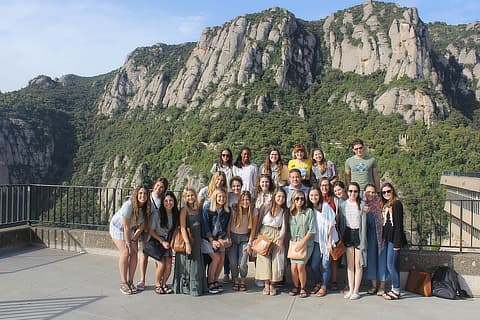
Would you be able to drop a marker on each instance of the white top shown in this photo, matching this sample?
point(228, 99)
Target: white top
point(126, 211)
point(352, 215)
point(248, 175)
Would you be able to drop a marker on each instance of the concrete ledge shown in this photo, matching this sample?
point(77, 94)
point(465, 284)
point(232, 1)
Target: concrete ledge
point(15, 237)
point(90, 241)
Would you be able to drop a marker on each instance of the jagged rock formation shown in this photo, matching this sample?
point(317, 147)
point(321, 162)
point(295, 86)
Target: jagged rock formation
point(224, 60)
point(25, 156)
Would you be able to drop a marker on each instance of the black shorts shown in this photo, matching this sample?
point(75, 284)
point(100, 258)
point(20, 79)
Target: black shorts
point(351, 238)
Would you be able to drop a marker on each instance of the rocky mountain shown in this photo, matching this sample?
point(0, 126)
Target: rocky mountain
point(161, 109)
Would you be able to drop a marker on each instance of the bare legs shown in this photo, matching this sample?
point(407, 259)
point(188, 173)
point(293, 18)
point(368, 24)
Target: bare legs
point(354, 270)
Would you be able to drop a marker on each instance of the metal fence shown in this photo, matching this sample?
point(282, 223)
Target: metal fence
point(429, 224)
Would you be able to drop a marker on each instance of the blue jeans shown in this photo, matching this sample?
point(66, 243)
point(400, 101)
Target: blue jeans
point(376, 262)
point(393, 265)
point(238, 256)
point(317, 259)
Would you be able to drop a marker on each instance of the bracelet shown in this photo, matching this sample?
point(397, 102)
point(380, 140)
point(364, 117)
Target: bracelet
point(249, 244)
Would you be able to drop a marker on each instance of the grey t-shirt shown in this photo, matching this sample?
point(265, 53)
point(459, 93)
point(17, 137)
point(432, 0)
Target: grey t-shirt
point(361, 170)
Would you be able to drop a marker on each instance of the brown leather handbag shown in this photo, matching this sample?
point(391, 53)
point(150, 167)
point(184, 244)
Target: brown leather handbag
point(419, 282)
point(262, 245)
point(177, 243)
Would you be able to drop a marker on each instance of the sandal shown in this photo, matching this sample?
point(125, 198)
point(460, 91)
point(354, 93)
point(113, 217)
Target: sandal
point(334, 286)
point(381, 292)
point(322, 292)
point(141, 286)
point(159, 290)
point(212, 289)
point(167, 290)
point(273, 290)
point(266, 290)
point(125, 289)
point(372, 291)
point(316, 288)
point(132, 287)
point(303, 293)
point(295, 291)
point(235, 287)
point(242, 287)
point(392, 295)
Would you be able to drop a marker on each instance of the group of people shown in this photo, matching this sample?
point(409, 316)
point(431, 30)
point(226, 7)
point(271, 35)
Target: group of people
point(300, 209)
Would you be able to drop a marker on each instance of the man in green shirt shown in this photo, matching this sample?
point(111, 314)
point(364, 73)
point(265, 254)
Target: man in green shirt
point(361, 168)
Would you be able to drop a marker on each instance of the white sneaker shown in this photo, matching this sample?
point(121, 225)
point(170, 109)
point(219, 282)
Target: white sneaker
point(354, 296)
point(347, 295)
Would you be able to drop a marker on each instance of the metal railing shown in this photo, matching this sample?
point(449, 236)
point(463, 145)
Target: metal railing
point(429, 224)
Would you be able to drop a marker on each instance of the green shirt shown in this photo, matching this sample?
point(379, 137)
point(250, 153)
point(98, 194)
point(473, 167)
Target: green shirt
point(361, 170)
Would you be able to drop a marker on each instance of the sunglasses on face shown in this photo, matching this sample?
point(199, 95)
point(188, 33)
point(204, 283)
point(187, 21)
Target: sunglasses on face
point(299, 199)
point(225, 155)
point(352, 191)
point(358, 148)
point(387, 191)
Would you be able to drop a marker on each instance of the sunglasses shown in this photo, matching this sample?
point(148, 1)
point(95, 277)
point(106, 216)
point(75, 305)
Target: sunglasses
point(352, 191)
point(387, 191)
point(298, 199)
point(225, 155)
point(359, 148)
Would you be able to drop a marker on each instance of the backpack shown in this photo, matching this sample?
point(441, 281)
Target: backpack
point(445, 284)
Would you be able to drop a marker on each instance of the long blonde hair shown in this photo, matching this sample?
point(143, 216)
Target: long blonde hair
point(240, 209)
point(212, 184)
point(213, 200)
point(184, 197)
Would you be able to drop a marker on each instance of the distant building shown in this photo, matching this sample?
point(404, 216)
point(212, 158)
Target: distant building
point(462, 202)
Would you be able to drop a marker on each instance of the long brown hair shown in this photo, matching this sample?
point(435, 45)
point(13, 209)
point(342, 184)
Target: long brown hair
point(266, 164)
point(146, 208)
point(322, 164)
point(385, 202)
point(240, 210)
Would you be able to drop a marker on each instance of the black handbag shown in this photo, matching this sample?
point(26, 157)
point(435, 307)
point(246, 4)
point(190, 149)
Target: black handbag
point(154, 249)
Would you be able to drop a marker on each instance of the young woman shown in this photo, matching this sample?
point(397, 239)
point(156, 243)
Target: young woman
point(159, 188)
point(355, 238)
point(272, 223)
point(302, 229)
point(322, 168)
point(236, 185)
point(241, 231)
point(376, 253)
point(274, 168)
point(327, 192)
point(325, 239)
point(189, 273)
point(301, 162)
point(217, 181)
point(161, 228)
point(246, 169)
point(224, 164)
point(340, 196)
point(263, 191)
point(394, 236)
point(215, 220)
point(126, 227)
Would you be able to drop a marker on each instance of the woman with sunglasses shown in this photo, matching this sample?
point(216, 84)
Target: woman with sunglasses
point(224, 164)
point(355, 239)
point(394, 236)
point(302, 229)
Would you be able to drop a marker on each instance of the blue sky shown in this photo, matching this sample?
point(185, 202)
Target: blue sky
point(92, 37)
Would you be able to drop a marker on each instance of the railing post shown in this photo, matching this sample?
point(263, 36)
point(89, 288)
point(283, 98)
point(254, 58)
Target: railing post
point(461, 226)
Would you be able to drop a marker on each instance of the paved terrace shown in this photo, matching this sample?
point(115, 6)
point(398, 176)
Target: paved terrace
point(40, 283)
